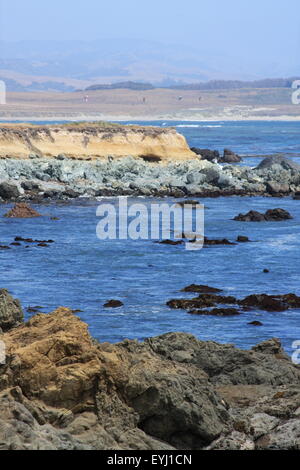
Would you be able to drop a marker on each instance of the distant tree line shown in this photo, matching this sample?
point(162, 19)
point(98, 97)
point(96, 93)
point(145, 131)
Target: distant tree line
point(210, 85)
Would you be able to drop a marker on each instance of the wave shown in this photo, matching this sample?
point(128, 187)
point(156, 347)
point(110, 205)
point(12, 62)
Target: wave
point(197, 125)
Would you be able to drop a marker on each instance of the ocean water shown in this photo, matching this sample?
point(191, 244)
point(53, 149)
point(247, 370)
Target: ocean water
point(81, 272)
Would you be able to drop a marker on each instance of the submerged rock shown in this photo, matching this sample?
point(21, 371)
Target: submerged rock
point(22, 210)
point(221, 241)
point(170, 242)
point(219, 312)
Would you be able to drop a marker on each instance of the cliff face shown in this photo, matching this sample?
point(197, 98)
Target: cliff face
point(60, 389)
point(93, 141)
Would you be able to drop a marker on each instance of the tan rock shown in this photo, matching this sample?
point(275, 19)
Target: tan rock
point(22, 210)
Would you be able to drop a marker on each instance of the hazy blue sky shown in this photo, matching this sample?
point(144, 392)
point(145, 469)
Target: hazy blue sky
point(261, 29)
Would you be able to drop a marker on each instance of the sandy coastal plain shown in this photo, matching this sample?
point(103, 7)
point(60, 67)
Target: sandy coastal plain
point(158, 104)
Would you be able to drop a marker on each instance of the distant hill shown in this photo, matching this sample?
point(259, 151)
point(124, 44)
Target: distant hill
point(108, 60)
point(14, 85)
point(237, 84)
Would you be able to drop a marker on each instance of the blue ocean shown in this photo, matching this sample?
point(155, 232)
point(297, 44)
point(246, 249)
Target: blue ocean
point(82, 272)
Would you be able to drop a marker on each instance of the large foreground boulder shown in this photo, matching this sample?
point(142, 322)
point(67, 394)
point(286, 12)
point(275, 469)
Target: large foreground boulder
point(60, 389)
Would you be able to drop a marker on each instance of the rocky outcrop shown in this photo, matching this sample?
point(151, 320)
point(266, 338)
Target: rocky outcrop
point(92, 141)
point(22, 210)
point(60, 389)
point(11, 313)
point(44, 178)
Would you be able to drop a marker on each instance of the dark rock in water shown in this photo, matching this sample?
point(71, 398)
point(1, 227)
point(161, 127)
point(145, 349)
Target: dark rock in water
point(42, 244)
point(206, 154)
point(22, 210)
point(251, 216)
point(255, 323)
point(202, 301)
point(9, 191)
point(113, 303)
point(292, 300)
point(219, 312)
point(264, 302)
point(266, 270)
point(230, 157)
point(222, 241)
point(284, 162)
point(16, 244)
point(201, 289)
point(11, 314)
point(242, 239)
point(218, 299)
point(191, 202)
point(186, 304)
point(270, 215)
point(277, 214)
point(271, 303)
point(170, 242)
point(30, 240)
point(4, 247)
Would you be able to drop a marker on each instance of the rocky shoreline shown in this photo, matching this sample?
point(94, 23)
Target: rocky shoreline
point(61, 178)
point(61, 389)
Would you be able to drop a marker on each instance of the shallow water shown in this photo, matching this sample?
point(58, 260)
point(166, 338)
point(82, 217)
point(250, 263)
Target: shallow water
point(82, 272)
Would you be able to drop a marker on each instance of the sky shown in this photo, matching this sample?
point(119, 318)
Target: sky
point(258, 29)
